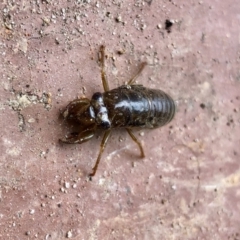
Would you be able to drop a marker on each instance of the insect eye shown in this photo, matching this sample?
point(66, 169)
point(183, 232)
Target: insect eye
point(96, 96)
point(105, 125)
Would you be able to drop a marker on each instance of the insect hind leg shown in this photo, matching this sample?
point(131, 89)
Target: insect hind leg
point(136, 141)
point(103, 73)
point(133, 79)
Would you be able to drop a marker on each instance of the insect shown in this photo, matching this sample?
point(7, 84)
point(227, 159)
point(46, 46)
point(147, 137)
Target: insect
point(128, 106)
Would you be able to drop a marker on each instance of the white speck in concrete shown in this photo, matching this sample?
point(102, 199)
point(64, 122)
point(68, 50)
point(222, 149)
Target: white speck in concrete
point(67, 185)
point(69, 234)
point(31, 211)
point(31, 120)
point(13, 151)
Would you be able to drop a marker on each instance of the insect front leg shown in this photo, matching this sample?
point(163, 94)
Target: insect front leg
point(78, 137)
point(103, 73)
point(133, 79)
point(102, 147)
point(136, 141)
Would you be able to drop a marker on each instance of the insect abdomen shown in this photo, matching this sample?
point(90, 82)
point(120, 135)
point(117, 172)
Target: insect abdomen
point(162, 108)
point(137, 106)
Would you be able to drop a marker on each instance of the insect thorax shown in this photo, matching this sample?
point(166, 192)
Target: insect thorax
point(100, 110)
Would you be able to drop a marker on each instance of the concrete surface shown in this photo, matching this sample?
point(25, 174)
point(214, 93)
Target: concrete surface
point(187, 187)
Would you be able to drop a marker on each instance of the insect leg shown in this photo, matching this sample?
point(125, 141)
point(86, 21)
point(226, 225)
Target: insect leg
point(103, 74)
point(79, 137)
point(102, 147)
point(136, 141)
point(133, 79)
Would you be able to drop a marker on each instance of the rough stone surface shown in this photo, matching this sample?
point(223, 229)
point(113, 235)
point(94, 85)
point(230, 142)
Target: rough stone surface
point(188, 185)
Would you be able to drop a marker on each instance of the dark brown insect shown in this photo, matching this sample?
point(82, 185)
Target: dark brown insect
point(128, 106)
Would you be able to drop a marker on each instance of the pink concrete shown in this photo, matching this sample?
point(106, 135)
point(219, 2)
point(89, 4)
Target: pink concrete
point(187, 187)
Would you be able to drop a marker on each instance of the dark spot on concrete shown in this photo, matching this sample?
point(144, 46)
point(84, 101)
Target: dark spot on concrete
point(168, 25)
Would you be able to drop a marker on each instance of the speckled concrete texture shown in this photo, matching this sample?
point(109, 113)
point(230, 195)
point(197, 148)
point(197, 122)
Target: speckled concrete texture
point(187, 186)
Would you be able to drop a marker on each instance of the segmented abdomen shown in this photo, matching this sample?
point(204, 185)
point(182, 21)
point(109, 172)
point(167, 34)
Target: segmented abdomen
point(137, 106)
point(162, 108)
